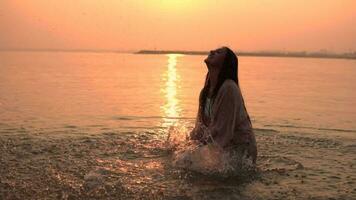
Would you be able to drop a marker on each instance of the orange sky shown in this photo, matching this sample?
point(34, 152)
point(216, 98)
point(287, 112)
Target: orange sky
point(179, 24)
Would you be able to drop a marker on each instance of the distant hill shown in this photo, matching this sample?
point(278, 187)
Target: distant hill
point(302, 54)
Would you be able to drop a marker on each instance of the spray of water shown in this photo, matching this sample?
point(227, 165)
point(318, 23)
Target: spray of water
point(207, 159)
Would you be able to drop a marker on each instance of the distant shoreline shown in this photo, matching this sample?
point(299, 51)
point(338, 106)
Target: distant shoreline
point(302, 54)
point(260, 54)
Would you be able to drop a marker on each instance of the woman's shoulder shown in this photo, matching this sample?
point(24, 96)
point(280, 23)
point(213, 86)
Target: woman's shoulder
point(229, 89)
point(230, 86)
point(229, 83)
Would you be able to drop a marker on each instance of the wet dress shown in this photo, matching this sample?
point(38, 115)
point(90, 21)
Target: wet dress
point(228, 121)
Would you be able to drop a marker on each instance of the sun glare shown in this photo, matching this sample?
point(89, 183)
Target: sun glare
point(171, 78)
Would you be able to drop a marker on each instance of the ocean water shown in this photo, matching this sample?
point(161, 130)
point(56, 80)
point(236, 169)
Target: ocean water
point(117, 109)
point(128, 91)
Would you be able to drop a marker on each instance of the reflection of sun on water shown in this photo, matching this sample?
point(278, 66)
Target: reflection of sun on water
point(171, 107)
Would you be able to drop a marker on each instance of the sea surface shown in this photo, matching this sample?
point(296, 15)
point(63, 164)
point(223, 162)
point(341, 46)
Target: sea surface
point(94, 125)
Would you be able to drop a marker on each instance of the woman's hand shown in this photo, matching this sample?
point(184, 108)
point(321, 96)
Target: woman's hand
point(193, 135)
point(198, 132)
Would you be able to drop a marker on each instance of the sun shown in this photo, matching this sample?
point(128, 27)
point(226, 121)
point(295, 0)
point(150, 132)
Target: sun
point(176, 5)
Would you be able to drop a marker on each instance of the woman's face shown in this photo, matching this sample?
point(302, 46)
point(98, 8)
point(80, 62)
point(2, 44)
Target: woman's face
point(216, 58)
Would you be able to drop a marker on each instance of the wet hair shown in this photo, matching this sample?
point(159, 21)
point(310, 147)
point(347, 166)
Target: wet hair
point(229, 70)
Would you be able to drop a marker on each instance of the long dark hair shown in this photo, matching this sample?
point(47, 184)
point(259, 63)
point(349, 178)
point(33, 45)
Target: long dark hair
point(229, 70)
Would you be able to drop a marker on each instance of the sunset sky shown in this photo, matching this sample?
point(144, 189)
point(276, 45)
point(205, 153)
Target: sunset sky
point(179, 24)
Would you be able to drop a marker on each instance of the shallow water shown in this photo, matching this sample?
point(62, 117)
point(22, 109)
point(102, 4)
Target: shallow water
point(94, 125)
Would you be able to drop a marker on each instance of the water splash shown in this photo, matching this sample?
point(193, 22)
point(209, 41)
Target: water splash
point(206, 159)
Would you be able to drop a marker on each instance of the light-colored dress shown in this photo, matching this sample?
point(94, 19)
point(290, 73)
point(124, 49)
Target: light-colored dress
point(229, 125)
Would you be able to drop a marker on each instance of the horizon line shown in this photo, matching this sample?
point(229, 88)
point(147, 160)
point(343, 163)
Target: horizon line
point(257, 53)
point(173, 50)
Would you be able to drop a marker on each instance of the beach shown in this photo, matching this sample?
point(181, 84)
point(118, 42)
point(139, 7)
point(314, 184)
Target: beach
point(129, 165)
point(95, 126)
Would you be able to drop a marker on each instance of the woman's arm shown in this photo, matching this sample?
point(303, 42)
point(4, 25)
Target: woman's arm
point(197, 132)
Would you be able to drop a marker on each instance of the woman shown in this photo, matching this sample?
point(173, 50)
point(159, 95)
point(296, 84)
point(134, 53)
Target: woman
point(222, 116)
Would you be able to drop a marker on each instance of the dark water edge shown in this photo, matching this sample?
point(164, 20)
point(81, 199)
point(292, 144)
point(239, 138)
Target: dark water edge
point(71, 164)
